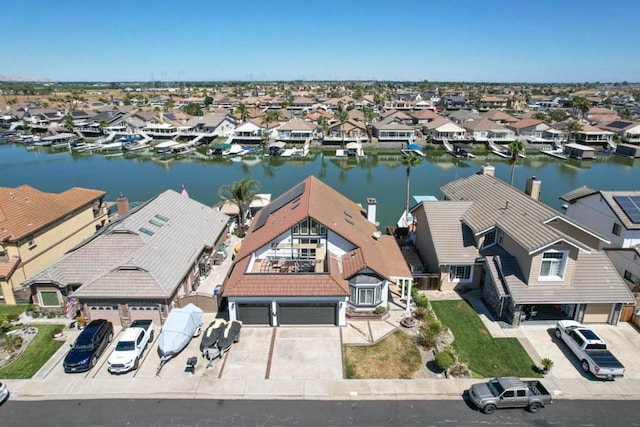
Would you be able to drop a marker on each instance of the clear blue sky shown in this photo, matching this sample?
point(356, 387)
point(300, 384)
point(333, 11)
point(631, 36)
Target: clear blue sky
point(494, 41)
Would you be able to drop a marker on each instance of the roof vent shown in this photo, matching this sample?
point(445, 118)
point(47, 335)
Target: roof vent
point(377, 235)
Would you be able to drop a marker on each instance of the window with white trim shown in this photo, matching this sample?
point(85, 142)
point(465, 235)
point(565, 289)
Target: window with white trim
point(365, 295)
point(460, 273)
point(553, 265)
point(490, 238)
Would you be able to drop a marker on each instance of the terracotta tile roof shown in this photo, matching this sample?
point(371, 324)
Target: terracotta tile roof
point(425, 115)
point(338, 214)
point(24, 209)
point(7, 266)
point(525, 123)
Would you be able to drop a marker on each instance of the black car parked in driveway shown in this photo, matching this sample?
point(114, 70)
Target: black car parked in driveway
point(89, 346)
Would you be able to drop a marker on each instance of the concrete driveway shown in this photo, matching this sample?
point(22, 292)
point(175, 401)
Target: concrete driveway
point(623, 341)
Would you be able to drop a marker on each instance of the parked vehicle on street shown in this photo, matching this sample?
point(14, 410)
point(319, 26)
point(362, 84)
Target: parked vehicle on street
point(4, 393)
point(130, 347)
point(509, 392)
point(88, 347)
point(590, 349)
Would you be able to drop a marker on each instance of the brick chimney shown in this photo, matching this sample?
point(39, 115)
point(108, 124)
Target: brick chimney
point(488, 170)
point(532, 188)
point(122, 203)
point(371, 209)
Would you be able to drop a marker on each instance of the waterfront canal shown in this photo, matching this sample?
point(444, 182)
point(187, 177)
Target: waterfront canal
point(379, 175)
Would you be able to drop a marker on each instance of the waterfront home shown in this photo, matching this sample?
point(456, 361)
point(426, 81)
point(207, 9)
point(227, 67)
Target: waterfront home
point(615, 215)
point(529, 128)
point(349, 131)
point(393, 131)
point(210, 124)
point(462, 116)
point(38, 227)
point(627, 131)
point(591, 135)
point(529, 261)
point(443, 128)
point(395, 115)
point(484, 129)
point(454, 102)
point(297, 130)
point(399, 105)
point(249, 132)
point(139, 266)
point(310, 257)
point(106, 121)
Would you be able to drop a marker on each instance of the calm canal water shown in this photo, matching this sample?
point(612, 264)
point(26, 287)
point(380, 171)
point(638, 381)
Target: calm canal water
point(380, 175)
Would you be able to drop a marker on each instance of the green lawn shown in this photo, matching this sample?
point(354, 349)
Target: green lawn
point(486, 356)
point(35, 356)
point(6, 310)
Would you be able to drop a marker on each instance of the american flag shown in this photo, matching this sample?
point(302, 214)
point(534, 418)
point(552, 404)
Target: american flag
point(71, 302)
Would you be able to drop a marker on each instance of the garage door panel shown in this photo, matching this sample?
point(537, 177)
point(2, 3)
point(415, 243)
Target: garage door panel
point(254, 314)
point(307, 314)
point(107, 312)
point(597, 313)
point(142, 312)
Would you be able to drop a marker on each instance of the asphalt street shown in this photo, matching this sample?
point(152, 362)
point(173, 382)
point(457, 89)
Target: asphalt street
point(265, 413)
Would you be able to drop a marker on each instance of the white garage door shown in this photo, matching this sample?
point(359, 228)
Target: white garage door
point(108, 312)
point(597, 313)
point(145, 312)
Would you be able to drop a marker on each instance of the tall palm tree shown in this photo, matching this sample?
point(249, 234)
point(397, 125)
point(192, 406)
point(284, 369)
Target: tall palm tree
point(572, 127)
point(243, 110)
point(516, 148)
point(242, 194)
point(68, 124)
point(272, 116)
point(342, 117)
point(408, 162)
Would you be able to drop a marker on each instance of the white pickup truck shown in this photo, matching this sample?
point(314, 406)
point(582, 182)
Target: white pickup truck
point(590, 349)
point(129, 348)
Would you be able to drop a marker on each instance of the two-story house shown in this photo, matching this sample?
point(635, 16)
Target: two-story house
point(310, 257)
point(615, 215)
point(37, 227)
point(530, 262)
point(140, 265)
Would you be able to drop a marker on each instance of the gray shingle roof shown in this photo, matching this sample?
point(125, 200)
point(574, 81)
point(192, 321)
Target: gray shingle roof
point(496, 203)
point(453, 241)
point(105, 264)
point(595, 281)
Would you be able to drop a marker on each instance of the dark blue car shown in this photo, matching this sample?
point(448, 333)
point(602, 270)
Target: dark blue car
point(88, 347)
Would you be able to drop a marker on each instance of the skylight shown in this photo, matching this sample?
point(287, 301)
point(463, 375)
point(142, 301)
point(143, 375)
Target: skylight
point(162, 217)
point(146, 231)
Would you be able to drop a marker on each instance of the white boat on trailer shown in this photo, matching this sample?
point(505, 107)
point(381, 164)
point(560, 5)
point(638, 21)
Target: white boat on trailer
point(181, 325)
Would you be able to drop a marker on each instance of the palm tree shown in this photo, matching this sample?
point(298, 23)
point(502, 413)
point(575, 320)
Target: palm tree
point(242, 109)
point(342, 117)
point(272, 116)
point(242, 194)
point(572, 127)
point(68, 124)
point(408, 162)
point(516, 148)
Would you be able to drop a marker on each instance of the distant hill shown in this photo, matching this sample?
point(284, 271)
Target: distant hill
point(4, 78)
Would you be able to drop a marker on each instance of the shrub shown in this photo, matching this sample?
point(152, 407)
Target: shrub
point(12, 342)
point(445, 359)
point(55, 332)
point(13, 317)
point(460, 370)
point(420, 313)
point(421, 301)
point(380, 310)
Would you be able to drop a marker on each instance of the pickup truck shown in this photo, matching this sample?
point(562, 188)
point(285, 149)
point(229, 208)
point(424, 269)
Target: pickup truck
point(509, 392)
point(129, 348)
point(590, 350)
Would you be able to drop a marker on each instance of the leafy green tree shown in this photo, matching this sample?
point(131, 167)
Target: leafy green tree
point(557, 115)
point(409, 162)
point(572, 127)
point(516, 148)
point(540, 116)
point(193, 109)
point(68, 124)
point(242, 193)
point(208, 100)
point(169, 104)
point(625, 114)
